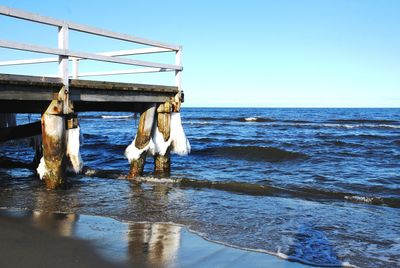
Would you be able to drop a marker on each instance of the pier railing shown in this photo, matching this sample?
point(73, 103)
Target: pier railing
point(64, 55)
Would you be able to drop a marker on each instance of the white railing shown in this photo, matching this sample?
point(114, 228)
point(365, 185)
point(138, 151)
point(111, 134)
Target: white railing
point(64, 54)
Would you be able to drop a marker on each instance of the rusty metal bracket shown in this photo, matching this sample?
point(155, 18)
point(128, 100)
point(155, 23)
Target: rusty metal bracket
point(71, 121)
point(171, 105)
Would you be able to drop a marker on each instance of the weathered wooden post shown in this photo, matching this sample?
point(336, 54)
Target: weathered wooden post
point(36, 143)
point(137, 151)
point(52, 165)
point(162, 159)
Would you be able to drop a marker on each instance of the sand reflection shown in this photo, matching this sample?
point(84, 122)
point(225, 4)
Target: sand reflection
point(58, 223)
point(137, 244)
point(153, 244)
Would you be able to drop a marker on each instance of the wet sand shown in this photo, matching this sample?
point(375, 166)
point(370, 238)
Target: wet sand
point(37, 239)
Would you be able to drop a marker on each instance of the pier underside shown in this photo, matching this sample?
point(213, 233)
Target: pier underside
point(32, 94)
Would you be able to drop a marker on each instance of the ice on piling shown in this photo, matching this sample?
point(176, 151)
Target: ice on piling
point(133, 153)
point(73, 143)
point(160, 145)
point(180, 144)
point(177, 141)
point(41, 169)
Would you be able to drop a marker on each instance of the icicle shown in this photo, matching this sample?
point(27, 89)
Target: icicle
point(133, 153)
point(180, 144)
point(73, 149)
point(41, 169)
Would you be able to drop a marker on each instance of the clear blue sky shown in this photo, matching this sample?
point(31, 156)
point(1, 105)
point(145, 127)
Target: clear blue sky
point(298, 53)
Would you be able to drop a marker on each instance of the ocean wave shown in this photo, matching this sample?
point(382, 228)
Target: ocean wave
point(117, 116)
point(343, 124)
point(389, 126)
point(199, 123)
point(349, 126)
point(289, 192)
point(252, 153)
point(363, 121)
point(324, 136)
point(254, 189)
point(296, 121)
point(255, 119)
point(230, 119)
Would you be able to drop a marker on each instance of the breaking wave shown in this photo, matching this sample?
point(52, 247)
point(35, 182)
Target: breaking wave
point(255, 119)
point(236, 119)
point(255, 189)
point(117, 116)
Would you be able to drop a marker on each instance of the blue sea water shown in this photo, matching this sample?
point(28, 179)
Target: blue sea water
point(320, 186)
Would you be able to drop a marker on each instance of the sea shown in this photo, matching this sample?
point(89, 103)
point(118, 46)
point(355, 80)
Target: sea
point(317, 186)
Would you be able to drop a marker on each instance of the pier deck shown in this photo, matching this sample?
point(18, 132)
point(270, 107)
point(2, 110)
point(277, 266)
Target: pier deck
point(32, 94)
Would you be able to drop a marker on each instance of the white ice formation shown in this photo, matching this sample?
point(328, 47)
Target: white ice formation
point(73, 142)
point(177, 141)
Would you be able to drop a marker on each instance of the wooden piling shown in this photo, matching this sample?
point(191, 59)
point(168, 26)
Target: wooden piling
point(54, 147)
point(143, 137)
point(36, 144)
point(162, 162)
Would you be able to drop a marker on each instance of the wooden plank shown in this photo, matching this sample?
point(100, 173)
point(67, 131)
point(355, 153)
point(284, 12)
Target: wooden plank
point(28, 61)
point(83, 106)
point(32, 48)
point(119, 72)
point(84, 55)
point(11, 12)
point(31, 94)
point(63, 60)
point(139, 51)
point(75, 68)
point(130, 52)
point(82, 28)
point(98, 57)
point(21, 131)
point(178, 73)
point(55, 83)
point(131, 98)
point(17, 79)
point(12, 93)
point(103, 85)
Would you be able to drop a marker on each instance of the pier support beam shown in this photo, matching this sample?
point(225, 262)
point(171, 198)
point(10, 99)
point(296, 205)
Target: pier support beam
point(162, 160)
point(36, 143)
point(54, 146)
point(142, 140)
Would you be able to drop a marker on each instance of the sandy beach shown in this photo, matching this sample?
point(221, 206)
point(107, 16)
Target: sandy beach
point(37, 239)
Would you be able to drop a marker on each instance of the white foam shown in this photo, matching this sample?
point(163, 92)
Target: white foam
point(360, 198)
point(117, 116)
point(388, 126)
point(73, 153)
point(157, 180)
point(180, 144)
point(251, 119)
point(41, 169)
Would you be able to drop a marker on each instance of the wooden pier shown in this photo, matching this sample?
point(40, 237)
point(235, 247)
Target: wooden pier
point(60, 98)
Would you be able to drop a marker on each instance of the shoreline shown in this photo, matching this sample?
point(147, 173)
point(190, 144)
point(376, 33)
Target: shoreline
point(46, 239)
